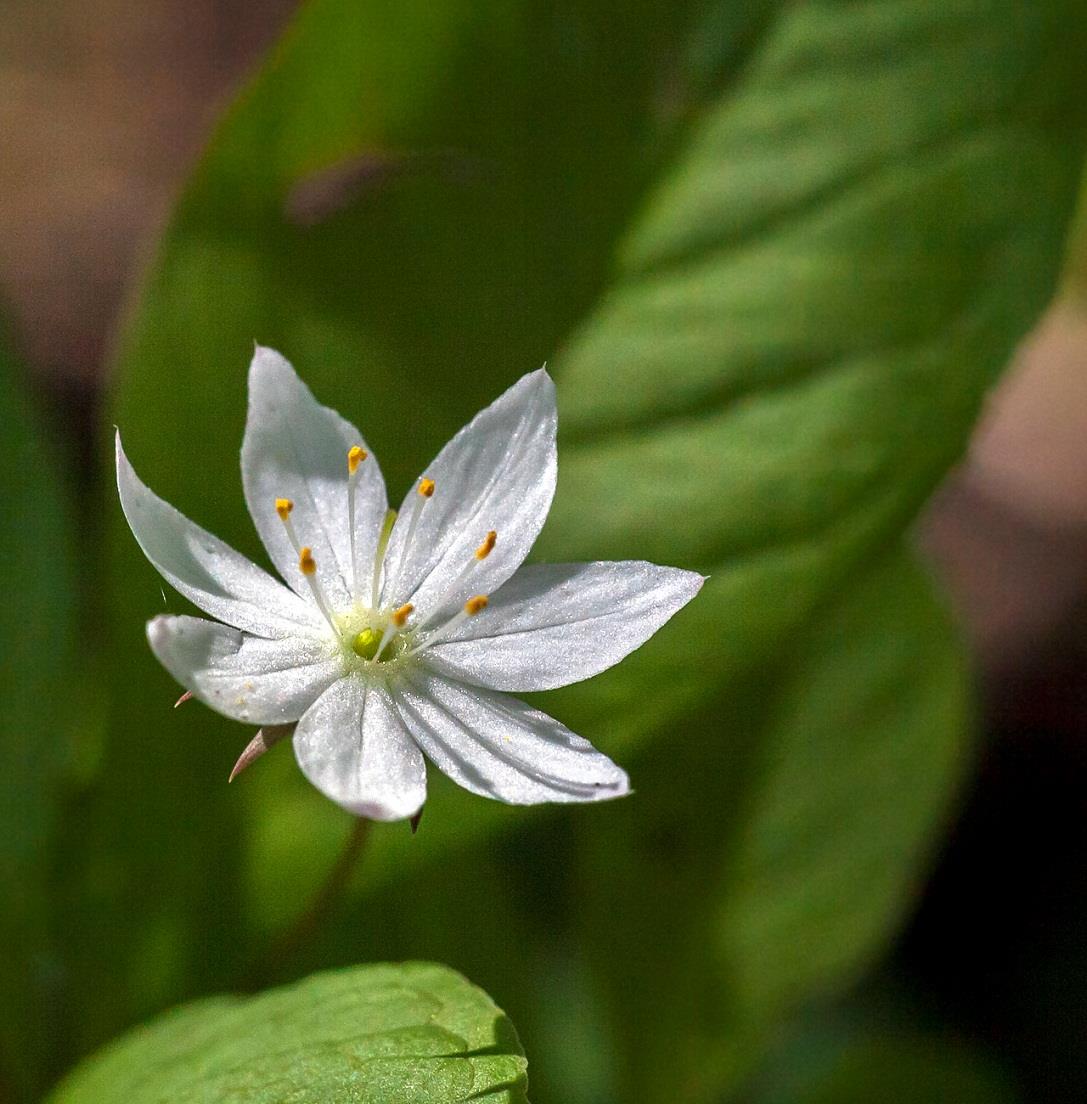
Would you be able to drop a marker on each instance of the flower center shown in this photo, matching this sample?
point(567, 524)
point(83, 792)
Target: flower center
point(384, 641)
point(382, 635)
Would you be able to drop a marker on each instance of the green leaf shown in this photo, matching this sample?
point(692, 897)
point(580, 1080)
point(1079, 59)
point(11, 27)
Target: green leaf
point(807, 312)
point(371, 1034)
point(776, 253)
point(846, 792)
point(783, 835)
point(37, 628)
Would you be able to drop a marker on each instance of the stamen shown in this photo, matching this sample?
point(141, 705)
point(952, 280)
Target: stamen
point(472, 608)
point(379, 555)
point(355, 456)
point(482, 552)
point(284, 506)
point(399, 619)
point(426, 491)
point(487, 547)
point(308, 566)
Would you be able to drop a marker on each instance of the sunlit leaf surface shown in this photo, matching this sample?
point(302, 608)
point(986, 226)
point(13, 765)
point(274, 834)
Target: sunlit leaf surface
point(373, 1034)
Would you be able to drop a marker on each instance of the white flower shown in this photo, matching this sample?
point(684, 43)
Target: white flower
point(397, 634)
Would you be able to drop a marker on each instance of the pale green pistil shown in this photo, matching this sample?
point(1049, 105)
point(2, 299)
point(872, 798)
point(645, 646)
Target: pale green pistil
point(366, 643)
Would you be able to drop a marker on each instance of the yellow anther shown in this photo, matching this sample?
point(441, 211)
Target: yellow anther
point(355, 456)
point(401, 616)
point(306, 563)
point(475, 605)
point(284, 506)
point(485, 549)
point(426, 487)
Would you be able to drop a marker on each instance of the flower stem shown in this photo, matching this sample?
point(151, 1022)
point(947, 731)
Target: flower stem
point(285, 947)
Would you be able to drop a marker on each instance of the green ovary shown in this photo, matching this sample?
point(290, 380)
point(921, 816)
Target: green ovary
point(365, 644)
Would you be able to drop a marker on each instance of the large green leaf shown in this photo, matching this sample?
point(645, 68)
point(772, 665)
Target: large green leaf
point(373, 1035)
point(37, 629)
point(783, 834)
point(808, 310)
point(775, 253)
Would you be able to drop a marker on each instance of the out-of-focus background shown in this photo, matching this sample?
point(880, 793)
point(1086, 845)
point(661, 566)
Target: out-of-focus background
point(780, 256)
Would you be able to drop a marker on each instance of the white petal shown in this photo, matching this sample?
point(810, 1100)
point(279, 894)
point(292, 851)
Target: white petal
point(295, 448)
point(208, 572)
point(497, 746)
point(352, 746)
point(497, 473)
point(554, 624)
point(246, 677)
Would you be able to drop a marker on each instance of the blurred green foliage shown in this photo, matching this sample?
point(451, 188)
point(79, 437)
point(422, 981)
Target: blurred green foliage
point(37, 638)
point(372, 1034)
point(846, 1064)
point(774, 254)
point(1075, 274)
point(809, 796)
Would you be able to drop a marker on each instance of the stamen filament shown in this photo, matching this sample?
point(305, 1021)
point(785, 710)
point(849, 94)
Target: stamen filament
point(308, 566)
point(355, 456)
point(426, 491)
point(471, 608)
point(379, 556)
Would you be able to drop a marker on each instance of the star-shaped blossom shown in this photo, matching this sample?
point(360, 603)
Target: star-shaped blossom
point(398, 635)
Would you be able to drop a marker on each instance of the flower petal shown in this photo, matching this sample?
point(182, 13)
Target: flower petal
point(295, 448)
point(208, 572)
point(497, 473)
point(554, 624)
point(499, 747)
point(352, 746)
point(248, 678)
